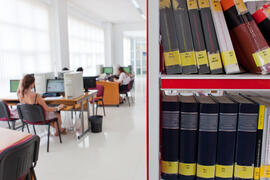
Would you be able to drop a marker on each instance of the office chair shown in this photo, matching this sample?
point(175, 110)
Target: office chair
point(6, 115)
point(35, 115)
point(125, 92)
point(99, 97)
point(18, 162)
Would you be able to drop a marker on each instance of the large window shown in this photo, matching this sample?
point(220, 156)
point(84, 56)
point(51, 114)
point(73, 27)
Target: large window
point(24, 39)
point(135, 54)
point(86, 45)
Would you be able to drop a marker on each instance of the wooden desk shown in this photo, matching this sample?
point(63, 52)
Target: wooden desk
point(111, 93)
point(11, 137)
point(76, 104)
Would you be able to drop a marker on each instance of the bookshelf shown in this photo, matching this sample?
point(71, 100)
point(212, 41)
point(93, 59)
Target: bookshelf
point(157, 82)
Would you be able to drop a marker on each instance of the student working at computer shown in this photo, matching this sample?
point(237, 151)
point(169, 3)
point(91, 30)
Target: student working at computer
point(27, 96)
point(123, 80)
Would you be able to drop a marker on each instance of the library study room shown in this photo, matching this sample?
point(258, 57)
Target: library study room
point(73, 89)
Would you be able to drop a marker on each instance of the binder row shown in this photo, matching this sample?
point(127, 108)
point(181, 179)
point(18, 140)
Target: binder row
point(211, 36)
point(215, 137)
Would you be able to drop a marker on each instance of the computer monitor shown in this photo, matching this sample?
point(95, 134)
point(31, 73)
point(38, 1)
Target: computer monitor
point(73, 84)
point(41, 81)
point(14, 84)
point(89, 82)
point(60, 75)
point(126, 69)
point(108, 70)
point(55, 86)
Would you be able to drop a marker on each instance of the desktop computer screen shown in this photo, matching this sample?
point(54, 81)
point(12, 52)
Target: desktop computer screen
point(14, 84)
point(89, 82)
point(55, 86)
point(126, 69)
point(108, 70)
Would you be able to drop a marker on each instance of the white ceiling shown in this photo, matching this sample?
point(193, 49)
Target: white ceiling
point(115, 11)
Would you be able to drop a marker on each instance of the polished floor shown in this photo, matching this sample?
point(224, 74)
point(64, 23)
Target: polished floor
point(118, 153)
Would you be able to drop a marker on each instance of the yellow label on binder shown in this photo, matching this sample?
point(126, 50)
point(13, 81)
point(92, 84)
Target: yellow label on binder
point(205, 171)
point(244, 172)
point(188, 58)
point(240, 5)
point(201, 57)
point(204, 3)
point(256, 173)
point(224, 171)
point(187, 169)
point(228, 58)
point(164, 4)
point(265, 171)
point(262, 57)
point(215, 61)
point(169, 167)
point(261, 117)
point(172, 58)
point(216, 5)
point(192, 4)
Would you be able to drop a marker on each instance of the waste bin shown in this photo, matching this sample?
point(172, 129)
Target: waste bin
point(96, 123)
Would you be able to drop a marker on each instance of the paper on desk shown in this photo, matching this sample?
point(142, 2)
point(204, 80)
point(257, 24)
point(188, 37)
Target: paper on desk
point(53, 98)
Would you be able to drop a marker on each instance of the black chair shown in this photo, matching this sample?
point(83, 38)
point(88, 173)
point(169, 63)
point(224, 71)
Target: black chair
point(125, 92)
point(19, 161)
point(35, 115)
point(5, 115)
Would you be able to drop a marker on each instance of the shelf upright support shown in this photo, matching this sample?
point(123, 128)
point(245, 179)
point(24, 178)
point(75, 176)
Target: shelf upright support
point(153, 90)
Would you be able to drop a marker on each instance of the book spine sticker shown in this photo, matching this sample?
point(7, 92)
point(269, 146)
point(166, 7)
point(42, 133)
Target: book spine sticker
point(189, 121)
point(187, 169)
point(224, 171)
point(262, 57)
point(243, 172)
point(207, 172)
point(227, 122)
point(169, 167)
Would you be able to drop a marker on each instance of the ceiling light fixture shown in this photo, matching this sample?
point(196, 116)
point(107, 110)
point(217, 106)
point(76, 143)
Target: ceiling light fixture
point(137, 6)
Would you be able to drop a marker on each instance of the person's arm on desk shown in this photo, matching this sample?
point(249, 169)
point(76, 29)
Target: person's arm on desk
point(41, 101)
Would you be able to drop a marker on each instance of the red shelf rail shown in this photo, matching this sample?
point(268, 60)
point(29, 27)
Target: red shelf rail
point(216, 83)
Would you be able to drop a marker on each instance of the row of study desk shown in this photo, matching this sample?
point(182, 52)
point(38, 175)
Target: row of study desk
point(80, 104)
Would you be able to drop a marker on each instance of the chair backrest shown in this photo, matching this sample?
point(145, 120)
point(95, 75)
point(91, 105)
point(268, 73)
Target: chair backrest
point(100, 89)
point(16, 161)
point(32, 113)
point(130, 85)
point(4, 110)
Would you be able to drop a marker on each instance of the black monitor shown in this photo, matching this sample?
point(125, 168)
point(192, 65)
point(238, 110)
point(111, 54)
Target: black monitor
point(89, 82)
point(55, 86)
point(14, 84)
point(127, 69)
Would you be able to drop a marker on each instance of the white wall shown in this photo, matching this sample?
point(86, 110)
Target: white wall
point(118, 35)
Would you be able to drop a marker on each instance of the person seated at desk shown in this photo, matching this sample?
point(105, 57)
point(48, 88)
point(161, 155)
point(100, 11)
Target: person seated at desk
point(123, 80)
point(80, 69)
point(27, 96)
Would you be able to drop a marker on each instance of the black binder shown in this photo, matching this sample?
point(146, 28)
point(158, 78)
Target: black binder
point(198, 37)
point(246, 137)
point(168, 38)
point(207, 139)
point(184, 37)
point(170, 137)
point(228, 111)
point(188, 137)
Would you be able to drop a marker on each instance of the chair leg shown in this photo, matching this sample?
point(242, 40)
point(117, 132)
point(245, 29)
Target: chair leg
point(13, 125)
point(97, 108)
point(22, 126)
point(48, 140)
point(27, 128)
point(103, 108)
point(59, 132)
point(128, 99)
point(34, 130)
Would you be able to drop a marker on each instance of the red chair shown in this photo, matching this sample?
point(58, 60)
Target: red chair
point(99, 97)
point(6, 115)
point(35, 115)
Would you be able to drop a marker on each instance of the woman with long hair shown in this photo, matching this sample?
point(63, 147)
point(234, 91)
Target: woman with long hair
point(123, 81)
point(27, 96)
